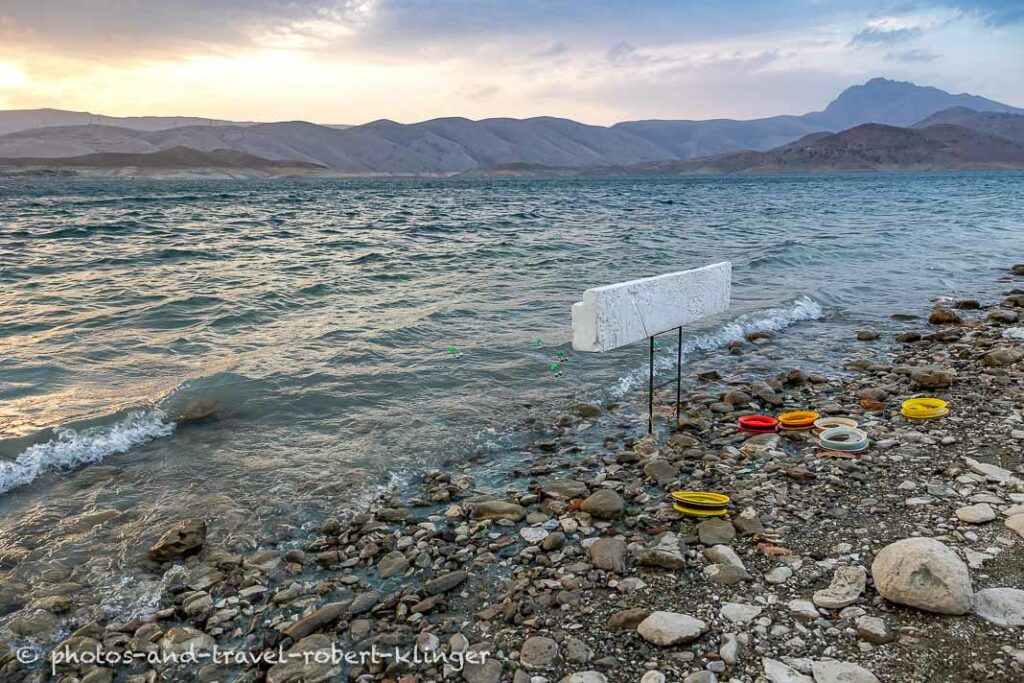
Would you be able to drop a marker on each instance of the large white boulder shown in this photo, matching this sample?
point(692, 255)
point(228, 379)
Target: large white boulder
point(923, 573)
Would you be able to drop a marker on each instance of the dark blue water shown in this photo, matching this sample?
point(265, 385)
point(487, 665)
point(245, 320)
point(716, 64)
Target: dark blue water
point(314, 319)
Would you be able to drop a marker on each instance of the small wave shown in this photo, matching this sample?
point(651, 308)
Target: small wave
point(74, 448)
point(769, 319)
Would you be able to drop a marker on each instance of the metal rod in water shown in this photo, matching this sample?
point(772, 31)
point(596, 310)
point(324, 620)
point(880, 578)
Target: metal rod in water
point(650, 392)
point(679, 374)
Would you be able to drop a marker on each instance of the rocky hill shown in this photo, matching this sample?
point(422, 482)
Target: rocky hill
point(868, 147)
point(457, 145)
point(1001, 124)
point(175, 159)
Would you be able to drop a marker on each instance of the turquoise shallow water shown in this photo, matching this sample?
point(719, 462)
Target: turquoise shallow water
point(316, 316)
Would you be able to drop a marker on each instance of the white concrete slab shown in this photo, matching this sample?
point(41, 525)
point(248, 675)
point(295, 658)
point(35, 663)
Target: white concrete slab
point(628, 312)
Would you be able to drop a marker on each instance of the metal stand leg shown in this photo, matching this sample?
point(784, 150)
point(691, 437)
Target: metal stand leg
point(650, 393)
point(679, 375)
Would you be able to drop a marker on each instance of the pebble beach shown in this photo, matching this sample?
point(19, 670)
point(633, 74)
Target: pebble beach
point(899, 563)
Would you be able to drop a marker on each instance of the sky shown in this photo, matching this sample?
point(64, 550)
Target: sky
point(596, 61)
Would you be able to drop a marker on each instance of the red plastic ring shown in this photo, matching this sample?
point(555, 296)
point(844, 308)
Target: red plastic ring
point(758, 422)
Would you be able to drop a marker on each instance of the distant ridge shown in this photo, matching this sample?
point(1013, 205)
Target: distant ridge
point(173, 159)
point(867, 147)
point(1009, 126)
point(13, 120)
point(455, 145)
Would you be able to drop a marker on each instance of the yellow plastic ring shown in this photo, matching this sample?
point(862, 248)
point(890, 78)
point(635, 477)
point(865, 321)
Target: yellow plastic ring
point(699, 512)
point(924, 408)
point(798, 419)
point(701, 499)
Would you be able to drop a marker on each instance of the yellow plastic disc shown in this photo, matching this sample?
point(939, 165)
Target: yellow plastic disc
point(924, 408)
point(702, 499)
point(798, 420)
point(699, 512)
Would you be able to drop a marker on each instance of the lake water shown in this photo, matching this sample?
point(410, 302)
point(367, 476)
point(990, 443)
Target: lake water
point(316, 319)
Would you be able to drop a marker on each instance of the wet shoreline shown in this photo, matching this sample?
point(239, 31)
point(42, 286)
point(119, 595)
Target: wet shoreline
point(555, 570)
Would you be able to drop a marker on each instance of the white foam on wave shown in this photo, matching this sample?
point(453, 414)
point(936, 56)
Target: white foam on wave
point(769, 319)
point(1013, 333)
point(75, 448)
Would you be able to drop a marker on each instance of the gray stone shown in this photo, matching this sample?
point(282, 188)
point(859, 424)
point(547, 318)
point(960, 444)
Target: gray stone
point(777, 672)
point(701, 677)
point(923, 573)
point(723, 554)
point(577, 652)
point(585, 677)
point(716, 531)
point(392, 564)
point(874, 630)
point(665, 629)
point(731, 648)
point(668, 551)
point(312, 623)
point(498, 509)
point(627, 619)
point(739, 613)
point(302, 665)
point(661, 471)
point(1000, 606)
point(1003, 315)
point(563, 489)
point(976, 514)
point(533, 534)
point(778, 575)
point(181, 639)
point(726, 574)
point(484, 669)
point(185, 537)
point(609, 554)
point(553, 541)
point(363, 602)
point(803, 610)
point(932, 377)
point(604, 504)
point(847, 585)
point(37, 624)
point(998, 358)
point(748, 522)
point(538, 653)
point(445, 582)
point(830, 671)
point(989, 471)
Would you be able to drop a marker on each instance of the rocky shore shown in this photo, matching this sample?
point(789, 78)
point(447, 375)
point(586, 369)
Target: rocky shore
point(901, 563)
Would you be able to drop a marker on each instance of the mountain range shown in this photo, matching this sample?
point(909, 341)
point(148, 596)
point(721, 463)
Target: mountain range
point(457, 145)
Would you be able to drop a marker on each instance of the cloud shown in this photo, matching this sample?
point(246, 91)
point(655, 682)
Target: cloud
point(555, 49)
point(621, 52)
point(993, 12)
point(121, 28)
point(878, 35)
point(910, 56)
point(594, 60)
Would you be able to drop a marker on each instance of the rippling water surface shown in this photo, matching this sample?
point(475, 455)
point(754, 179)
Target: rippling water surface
point(311, 322)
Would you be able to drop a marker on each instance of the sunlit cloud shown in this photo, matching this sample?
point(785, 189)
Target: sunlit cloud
point(12, 77)
point(351, 61)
